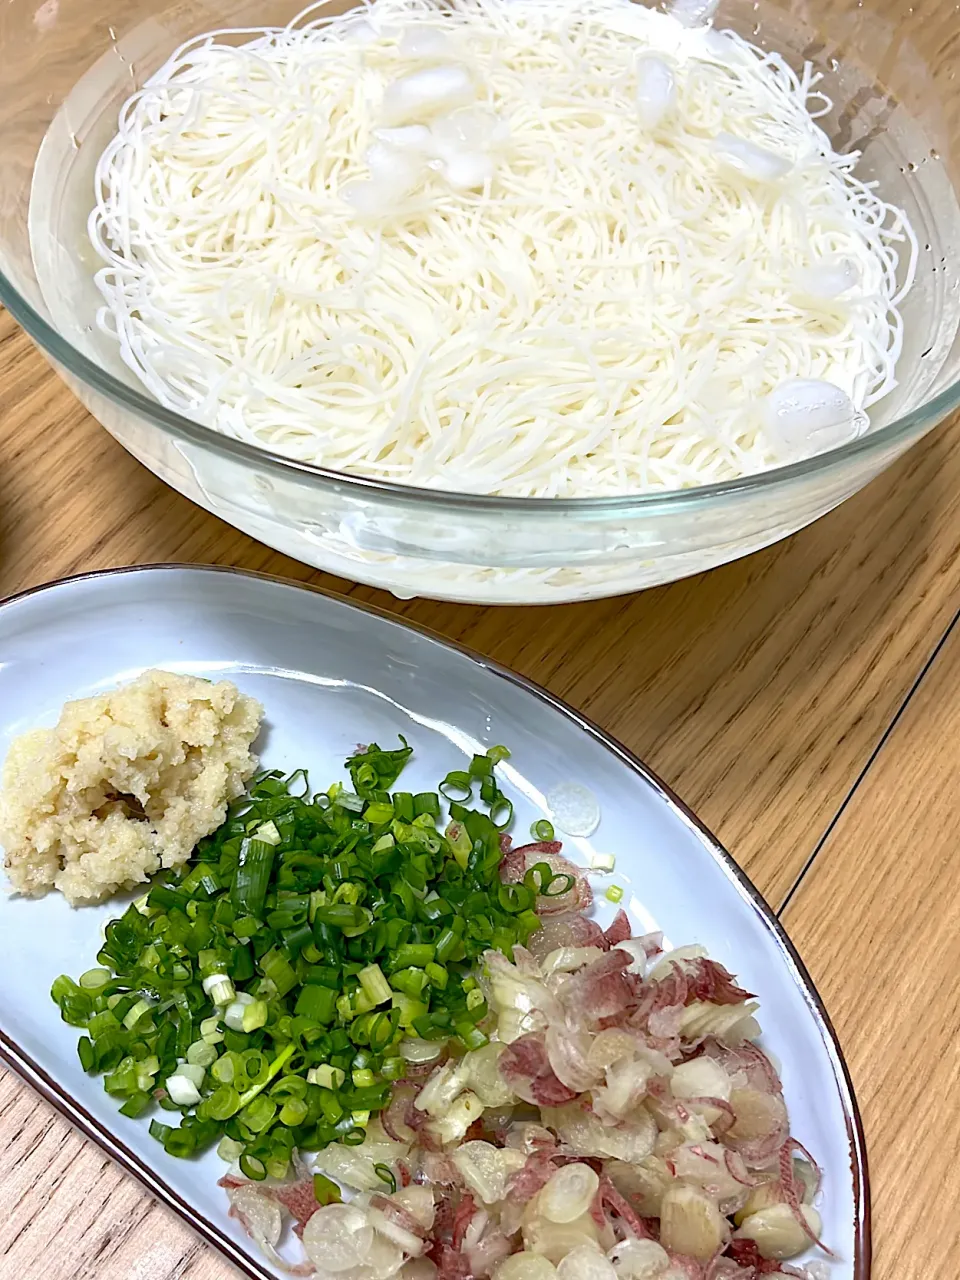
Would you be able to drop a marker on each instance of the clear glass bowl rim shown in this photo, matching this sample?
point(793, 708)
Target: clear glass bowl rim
point(619, 505)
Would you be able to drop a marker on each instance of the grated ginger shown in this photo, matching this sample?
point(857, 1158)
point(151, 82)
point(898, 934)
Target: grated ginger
point(126, 783)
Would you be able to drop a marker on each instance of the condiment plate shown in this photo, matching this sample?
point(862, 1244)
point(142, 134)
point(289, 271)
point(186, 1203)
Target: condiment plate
point(331, 675)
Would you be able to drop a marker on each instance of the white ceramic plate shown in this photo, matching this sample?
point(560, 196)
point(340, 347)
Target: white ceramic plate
point(331, 675)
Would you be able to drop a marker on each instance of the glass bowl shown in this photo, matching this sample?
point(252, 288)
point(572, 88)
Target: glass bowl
point(67, 65)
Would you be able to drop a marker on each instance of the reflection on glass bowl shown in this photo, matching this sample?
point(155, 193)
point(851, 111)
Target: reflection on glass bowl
point(62, 81)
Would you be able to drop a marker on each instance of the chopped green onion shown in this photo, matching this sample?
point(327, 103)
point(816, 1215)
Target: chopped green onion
point(317, 1003)
point(264, 989)
point(327, 1076)
point(275, 966)
point(229, 1150)
point(225, 1069)
point(254, 1015)
point(201, 1054)
point(210, 1030)
point(385, 1174)
point(183, 1090)
point(481, 767)
point(408, 1009)
point(415, 954)
point(136, 1012)
point(222, 1103)
point(426, 802)
point(541, 879)
point(501, 812)
point(94, 978)
point(375, 984)
point(411, 981)
point(252, 878)
point(614, 893)
point(325, 1190)
point(294, 1112)
point(219, 988)
point(258, 1114)
point(393, 1068)
point(136, 1104)
point(264, 1078)
point(377, 813)
point(446, 945)
point(233, 1014)
point(87, 1052)
point(376, 770)
point(542, 830)
point(457, 785)
point(515, 898)
point(558, 886)
point(471, 1036)
point(252, 1168)
point(340, 916)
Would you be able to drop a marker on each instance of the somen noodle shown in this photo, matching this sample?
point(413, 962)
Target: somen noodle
point(526, 247)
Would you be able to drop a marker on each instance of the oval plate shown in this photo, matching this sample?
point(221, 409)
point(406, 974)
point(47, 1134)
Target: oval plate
point(330, 675)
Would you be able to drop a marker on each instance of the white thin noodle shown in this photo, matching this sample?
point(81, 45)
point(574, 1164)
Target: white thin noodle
point(603, 317)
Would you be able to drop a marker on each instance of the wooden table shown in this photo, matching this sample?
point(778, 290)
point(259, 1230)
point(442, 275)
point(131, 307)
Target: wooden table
point(805, 702)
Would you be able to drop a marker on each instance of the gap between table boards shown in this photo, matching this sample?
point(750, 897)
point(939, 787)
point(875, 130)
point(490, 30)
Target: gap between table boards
point(868, 765)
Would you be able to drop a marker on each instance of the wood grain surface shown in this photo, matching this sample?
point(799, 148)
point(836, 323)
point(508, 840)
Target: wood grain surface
point(877, 918)
point(760, 692)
